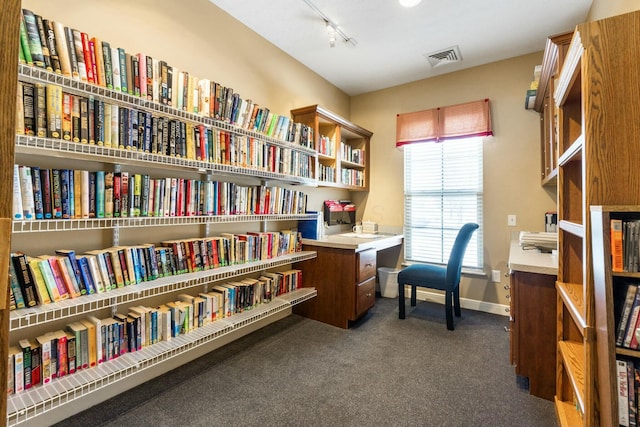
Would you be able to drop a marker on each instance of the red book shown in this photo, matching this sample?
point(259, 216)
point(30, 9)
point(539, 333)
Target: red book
point(117, 194)
point(94, 65)
point(89, 59)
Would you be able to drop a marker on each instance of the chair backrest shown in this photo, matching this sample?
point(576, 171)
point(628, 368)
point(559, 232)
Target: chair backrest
point(454, 265)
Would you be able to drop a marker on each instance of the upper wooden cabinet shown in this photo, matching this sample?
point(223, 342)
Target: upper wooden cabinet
point(342, 146)
point(554, 54)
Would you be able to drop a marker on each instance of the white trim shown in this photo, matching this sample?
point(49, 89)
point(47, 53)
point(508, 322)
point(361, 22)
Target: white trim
point(470, 304)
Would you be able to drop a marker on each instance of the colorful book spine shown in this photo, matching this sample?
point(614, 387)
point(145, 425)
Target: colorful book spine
point(51, 45)
point(33, 38)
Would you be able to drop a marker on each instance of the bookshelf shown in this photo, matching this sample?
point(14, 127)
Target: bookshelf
point(553, 59)
point(342, 146)
point(596, 136)
point(62, 397)
point(610, 289)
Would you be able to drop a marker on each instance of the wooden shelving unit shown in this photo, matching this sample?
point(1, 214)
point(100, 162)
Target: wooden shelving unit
point(343, 148)
point(553, 59)
point(598, 138)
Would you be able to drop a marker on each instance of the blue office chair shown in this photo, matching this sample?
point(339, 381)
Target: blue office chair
point(446, 279)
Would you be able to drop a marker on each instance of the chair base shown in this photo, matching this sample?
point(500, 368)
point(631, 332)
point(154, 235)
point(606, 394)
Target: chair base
point(451, 303)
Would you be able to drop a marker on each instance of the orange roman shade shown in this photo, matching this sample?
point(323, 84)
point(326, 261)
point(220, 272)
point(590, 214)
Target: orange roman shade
point(442, 123)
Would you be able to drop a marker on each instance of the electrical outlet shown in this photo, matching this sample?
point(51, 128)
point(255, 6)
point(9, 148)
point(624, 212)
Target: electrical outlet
point(511, 220)
point(495, 276)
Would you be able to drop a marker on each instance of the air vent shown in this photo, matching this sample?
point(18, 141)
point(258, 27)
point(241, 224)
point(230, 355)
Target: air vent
point(443, 57)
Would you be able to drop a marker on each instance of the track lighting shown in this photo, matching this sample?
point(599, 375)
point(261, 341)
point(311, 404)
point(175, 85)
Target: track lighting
point(333, 29)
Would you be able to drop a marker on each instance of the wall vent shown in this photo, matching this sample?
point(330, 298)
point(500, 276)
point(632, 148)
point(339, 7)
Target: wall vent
point(445, 56)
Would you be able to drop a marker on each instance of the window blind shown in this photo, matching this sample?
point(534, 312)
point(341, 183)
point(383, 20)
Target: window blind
point(443, 190)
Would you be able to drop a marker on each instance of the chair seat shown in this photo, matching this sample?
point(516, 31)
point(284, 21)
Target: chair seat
point(429, 276)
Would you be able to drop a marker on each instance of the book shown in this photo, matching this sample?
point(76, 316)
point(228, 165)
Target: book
point(99, 58)
point(16, 290)
point(79, 53)
point(18, 368)
point(28, 108)
point(92, 350)
point(71, 49)
point(623, 392)
point(52, 272)
point(40, 109)
point(49, 280)
point(36, 363)
point(630, 296)
point(24, 42)
point(54, 111)
point(71, 352)
point(52, 46)
point(89, 62)
point(99, 342)
point(68, 277)
point(25, 346)
point(33, 38)
point(38, 279)
point(616, 246)
point(17, 211)
point(44, 341)
point(25, 279)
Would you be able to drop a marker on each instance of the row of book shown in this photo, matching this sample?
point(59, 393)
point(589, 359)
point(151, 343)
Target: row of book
point(351, 154)
point(91, 341)
point(41, 193)
point(326, 173)
point(47, 111)
point(628, 305)
point(628, 386)
point(51, 278)
point(625, 245)
point(352, 177)
point(51, 45)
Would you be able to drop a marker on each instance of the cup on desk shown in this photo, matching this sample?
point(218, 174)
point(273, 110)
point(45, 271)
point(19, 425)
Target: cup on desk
point(357, 229)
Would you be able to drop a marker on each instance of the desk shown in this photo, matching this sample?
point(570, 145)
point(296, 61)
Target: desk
point(344, 274)
point(533, 318)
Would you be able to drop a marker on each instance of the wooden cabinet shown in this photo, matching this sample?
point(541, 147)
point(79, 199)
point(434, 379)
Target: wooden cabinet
point(342, 146)
point(598, 140)
point(345, 281)
point(554, 54)
point(344, 275)
point(533, 335)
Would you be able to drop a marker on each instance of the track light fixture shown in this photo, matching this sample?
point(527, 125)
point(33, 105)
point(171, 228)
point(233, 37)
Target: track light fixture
point(332, 28)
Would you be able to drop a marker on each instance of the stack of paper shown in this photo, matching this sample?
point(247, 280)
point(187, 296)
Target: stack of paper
point(545, 241)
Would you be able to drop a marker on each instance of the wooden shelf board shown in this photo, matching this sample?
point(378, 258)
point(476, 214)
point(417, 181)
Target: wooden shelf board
point(551, 180)
point(572, 354)
point(628, 352)
point(568, 415)
point(573, 297)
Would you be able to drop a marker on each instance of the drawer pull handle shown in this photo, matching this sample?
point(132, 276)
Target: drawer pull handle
point(506, 329)
point(508, 296)
point(507, 287)
point(369, 294)
point(368, 264)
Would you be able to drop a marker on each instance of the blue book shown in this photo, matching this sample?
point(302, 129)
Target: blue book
point(85, 273)
point(100, 187)
point(64, 194)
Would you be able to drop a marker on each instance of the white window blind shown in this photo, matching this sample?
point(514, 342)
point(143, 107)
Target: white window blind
point(442, 192)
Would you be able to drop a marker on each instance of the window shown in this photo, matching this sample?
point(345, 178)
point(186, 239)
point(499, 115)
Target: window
point(442, 191)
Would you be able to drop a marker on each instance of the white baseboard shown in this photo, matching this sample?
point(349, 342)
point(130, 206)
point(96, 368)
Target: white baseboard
point(470, 304)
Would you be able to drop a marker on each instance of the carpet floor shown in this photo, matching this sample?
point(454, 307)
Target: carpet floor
point(382, 371)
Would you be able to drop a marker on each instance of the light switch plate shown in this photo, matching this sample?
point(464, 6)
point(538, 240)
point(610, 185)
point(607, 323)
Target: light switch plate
point(511, 220)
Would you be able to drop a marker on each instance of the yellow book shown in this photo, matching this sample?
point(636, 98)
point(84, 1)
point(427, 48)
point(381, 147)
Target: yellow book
point(54, 111)
point(41, 286)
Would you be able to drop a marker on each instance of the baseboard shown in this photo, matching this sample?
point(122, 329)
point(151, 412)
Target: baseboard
point(470, 304)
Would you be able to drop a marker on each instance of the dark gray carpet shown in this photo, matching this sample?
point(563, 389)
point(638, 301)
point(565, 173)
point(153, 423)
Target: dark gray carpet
point(382, 371)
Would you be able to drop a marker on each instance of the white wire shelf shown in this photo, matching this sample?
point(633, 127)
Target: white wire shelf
point(38, 75)
point(38, 315)
point(53, 147)
point(40, 399)
point(45, 225)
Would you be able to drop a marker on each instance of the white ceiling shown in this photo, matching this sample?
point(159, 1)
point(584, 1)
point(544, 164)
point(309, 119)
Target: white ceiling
point(392, 41)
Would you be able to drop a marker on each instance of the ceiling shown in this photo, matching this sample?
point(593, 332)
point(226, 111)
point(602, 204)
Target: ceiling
point(392, 42)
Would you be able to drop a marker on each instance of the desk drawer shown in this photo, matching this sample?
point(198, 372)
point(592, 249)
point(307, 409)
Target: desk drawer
point(365, 296)
point(366, 265)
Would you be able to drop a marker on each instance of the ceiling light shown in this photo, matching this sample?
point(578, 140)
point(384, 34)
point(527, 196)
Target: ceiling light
point(409, 3)
point(332, 28)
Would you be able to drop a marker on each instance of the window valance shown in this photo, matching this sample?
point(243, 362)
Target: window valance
point(442, 123)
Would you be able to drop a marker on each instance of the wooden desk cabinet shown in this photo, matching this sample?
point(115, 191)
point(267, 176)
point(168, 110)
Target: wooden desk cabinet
point(345, 281)
point(533, 330)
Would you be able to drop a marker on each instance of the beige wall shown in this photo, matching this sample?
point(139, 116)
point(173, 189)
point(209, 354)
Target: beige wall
point(511, 157)
point(605, 8)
